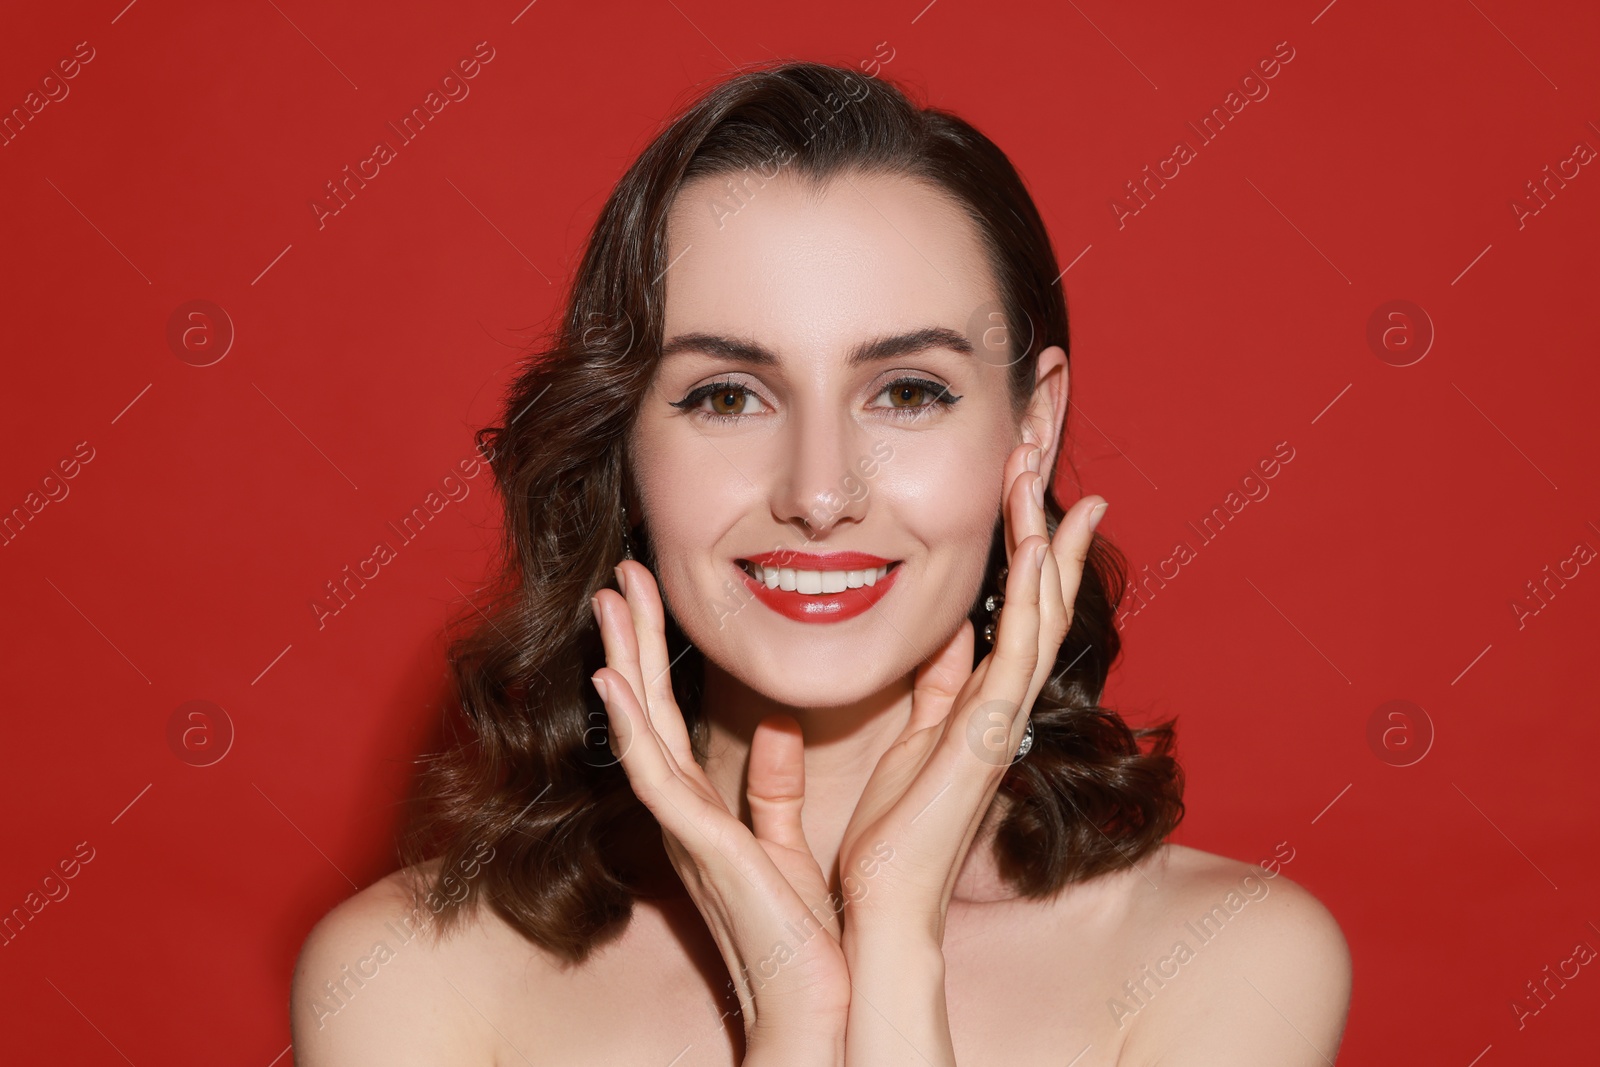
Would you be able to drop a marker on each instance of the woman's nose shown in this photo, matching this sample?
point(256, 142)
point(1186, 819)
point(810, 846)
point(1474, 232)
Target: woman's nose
point(818, 486)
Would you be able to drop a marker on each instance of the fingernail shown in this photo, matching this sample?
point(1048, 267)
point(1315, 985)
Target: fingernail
point(1038, 555)
point(1033, 460)
point(1096, 515)
point(622, 579)
point(1038, 491)
point(600, 687)
point(594, 605)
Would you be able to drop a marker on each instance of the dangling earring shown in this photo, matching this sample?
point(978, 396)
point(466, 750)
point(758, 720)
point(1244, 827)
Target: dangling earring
point(992, 604)
point(627, 542)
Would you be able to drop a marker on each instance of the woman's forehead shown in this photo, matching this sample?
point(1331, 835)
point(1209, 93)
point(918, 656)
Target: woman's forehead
point(820, 266)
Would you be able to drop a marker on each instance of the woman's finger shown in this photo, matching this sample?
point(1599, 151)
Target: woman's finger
point(650, 635)
point(1055, 600)
point(1023, 458)
point(998, 686)
point(633, 742)
point(1070, 549)
point(939, 679)
point(777, 782)
point(1016, 645)
point(1025, 507)
point(617, 633)
point(1063, 571)
point(1071, 545)
point(681, 809)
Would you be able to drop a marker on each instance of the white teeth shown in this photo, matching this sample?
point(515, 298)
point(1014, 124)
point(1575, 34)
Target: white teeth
point(815, 582)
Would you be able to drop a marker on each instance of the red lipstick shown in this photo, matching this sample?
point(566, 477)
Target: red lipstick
point(820, 607)
point(811, 561)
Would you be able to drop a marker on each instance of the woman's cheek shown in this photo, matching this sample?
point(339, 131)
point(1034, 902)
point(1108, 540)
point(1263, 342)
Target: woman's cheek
point(947, 518)
point(942, 499)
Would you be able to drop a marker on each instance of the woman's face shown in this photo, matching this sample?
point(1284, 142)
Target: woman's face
point(833, 382)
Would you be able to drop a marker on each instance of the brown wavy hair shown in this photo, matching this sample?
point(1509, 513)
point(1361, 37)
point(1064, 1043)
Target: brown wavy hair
point(526, 767)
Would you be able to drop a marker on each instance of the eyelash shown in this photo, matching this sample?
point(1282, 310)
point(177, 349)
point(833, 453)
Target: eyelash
point(942, 397)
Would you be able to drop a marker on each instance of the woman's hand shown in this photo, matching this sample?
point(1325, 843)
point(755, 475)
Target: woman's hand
point(930, 791)
point(932, 788)
point(761, 891)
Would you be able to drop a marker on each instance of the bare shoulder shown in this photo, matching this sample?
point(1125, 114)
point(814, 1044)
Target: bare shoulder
point(1254, 968)
point(373, 984)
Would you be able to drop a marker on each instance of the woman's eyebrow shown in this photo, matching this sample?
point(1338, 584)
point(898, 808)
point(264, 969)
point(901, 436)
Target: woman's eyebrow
point(745, 351)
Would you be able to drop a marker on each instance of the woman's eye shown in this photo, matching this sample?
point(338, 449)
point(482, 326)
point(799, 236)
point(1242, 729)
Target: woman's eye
point(719, 400)
point(908, 393)
point(915, 397)
point(729, 401)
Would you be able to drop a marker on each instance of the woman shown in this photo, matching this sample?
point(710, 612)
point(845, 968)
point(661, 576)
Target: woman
point(824, 778)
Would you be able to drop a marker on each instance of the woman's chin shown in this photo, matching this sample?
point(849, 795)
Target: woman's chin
point(811, 682)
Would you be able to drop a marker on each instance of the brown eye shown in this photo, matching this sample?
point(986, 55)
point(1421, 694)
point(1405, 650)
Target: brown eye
point(720, 402)
point(911, 393)
point(916, 398)
point(733, 398)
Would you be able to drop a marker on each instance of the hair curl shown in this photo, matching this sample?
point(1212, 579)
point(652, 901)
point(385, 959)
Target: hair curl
point(526, 768)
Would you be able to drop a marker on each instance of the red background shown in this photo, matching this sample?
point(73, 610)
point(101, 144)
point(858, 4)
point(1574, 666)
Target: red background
point(1228, 315)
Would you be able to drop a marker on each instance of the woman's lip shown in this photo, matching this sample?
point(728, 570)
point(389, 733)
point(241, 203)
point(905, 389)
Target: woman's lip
point(811, 561)
point(820, 607)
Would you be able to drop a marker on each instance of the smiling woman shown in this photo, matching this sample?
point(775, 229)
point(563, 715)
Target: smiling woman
point(876, 813)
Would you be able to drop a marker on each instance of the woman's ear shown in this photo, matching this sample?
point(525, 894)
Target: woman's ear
point(1047, 411)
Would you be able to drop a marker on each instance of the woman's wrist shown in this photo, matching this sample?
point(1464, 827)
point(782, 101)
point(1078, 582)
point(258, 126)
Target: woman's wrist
point(905, 960)
point(864, 930)
point(897, 1009)
point(814, 1041)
